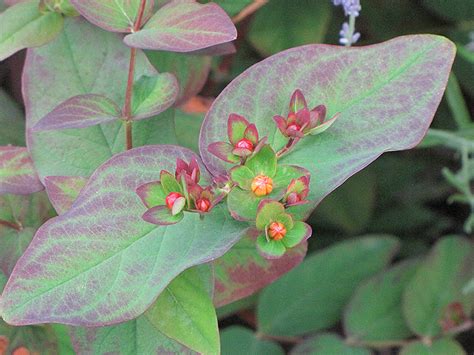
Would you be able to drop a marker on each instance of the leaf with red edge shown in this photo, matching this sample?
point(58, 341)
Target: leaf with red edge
point(184, 26)
point(104, 243)
point(113, 15)
point(79, 112)
point(63, 191)
point(242, 271)
point(17, 173)
point(384, 93)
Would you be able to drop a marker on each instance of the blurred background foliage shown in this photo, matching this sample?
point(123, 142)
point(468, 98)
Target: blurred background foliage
point(412, 293)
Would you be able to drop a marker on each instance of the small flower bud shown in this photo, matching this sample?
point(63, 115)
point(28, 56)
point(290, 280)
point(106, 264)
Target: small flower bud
point(203, 204)
point(262, 185)
point(293, 127)
point(244, 144)
point(276, 231)
point(293, 198)
point(171, 199)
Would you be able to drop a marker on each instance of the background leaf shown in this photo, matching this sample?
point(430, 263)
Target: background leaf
point(439, 347)
point(312, 295)
point(184, 26)
point(437, 283)
point(103, 242)
point(17, 173)
point(325, 344)
point(375, 310)
point(80, 68)
point(24, 26)
point(237, 340)
point(12, 122)
point(113, 15)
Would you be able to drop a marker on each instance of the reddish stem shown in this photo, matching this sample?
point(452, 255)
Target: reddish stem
point(127, 107)
point(13, 225)
point(291, 143)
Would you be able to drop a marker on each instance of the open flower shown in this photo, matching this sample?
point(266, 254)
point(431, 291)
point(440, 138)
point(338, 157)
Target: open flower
point(189, 171)
point(278, 231)
point(165, 199)
point(301, 121)
point(259, 178)
point(243, 138)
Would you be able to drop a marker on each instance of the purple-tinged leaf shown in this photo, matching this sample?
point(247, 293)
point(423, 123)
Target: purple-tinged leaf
point(162, 215)
point(63, 191)
point(152, 194)
point(153, 95)
point(184, 26)
point(12, 121)
point(104, 243)
point(242, 271)
point(85, 70)
point(24, 26)
point(17, 173)
point(113, 15)
point(217, 50)
point(224, 151)
point(79, 112)
point(384, 93)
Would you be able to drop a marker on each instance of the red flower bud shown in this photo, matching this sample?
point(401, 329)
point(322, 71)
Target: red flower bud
point(262, 185)
point(244, 143)
point(171, 199)
point(293, 127)
point(276, 230)
point(203, 204)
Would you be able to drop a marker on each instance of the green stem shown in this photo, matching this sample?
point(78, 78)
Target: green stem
point(457, 104)
point(350, 33)
point(450, 139)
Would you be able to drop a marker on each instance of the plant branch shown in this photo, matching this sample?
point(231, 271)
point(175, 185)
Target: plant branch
point(286, 149)
point(17, 226)
point(248, 10)
point(457, 104)
point(127, 107)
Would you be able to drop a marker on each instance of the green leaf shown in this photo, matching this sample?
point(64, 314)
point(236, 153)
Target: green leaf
point(327, 343)
point(232, 7)
point(24, 26)
point(243, 176)
point(191, 70)
point(270, 249)
point(153, 95)
point(454, 10)
point(268, 212)
point(374, 313)
point(78, 152)
point(264, 162)
point(283, 24)
point(12, 121)
point(124, 260)
point(237, 340)
point(113, 15)
point(437, 283)
point(439, 347)
point(184, 311)
point(291, 306)
point(300, 231)
point(385, 99)
point(3, 280)
point(188, 127)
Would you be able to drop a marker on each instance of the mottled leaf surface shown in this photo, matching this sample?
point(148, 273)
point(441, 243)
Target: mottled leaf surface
point(80, 112)
point(448, 267)
point(113, 15)
point(325, 344)
point(17, 173)
point(384, 93)
point(242, 270)
point(191, 70)
point(24, 26)
point(312, 295)
point(12, 121)
point(102, 245)
point(63, 191)
point(86, 60)
point(237, 340)
point(184, 26)
point(375, 310)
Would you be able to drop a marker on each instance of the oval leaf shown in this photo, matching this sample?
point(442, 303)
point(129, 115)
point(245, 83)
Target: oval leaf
point(384, 93)
point(184, 26)
point(103, 242)
point(17, 173)
point(374, 313)
point(439, 347)
point(306, 300)
point(153, 95)
point(79, 112)
point(237, 340)
point(24, 26)
point(242, 271)
point(437, 283)
point(327, 343)
point(113, 15)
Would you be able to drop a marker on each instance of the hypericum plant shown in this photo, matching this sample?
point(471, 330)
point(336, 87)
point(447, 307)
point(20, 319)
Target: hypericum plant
point(146, 229)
